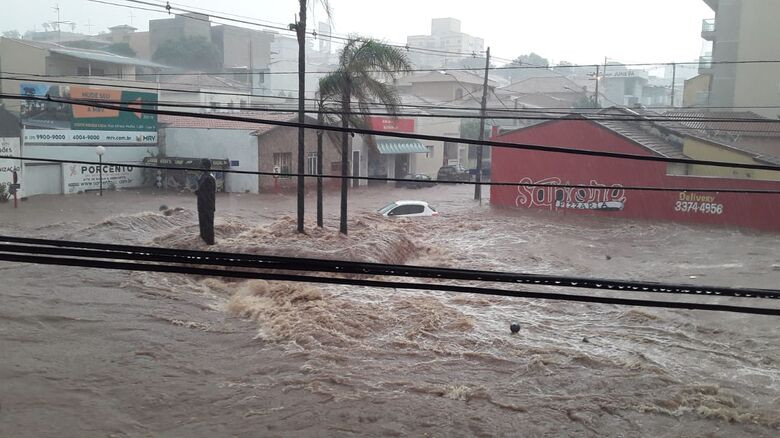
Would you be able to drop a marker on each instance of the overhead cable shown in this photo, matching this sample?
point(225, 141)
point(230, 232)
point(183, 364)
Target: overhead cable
point(225, 259)
point(232, 273)
point(517, 146)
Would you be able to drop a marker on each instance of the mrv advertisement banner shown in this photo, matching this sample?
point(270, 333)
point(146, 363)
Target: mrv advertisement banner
point(50, 122)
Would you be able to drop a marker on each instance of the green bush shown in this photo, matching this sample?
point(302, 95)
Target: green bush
point(4, 194)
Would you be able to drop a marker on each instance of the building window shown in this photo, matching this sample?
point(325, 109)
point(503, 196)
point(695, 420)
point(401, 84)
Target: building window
point(459, 93)
point(283, 162)
point(311, 163)
point(428, 151)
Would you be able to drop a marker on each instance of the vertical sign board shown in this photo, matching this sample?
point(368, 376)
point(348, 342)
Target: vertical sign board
point(77, 178)
point(9, 146)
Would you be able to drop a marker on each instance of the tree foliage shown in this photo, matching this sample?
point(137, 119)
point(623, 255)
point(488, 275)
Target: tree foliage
point(122, 49)
point(12, 34)
point(364, 76)
point(192, 52)
point(469, 129)
point(531, 59)
point(587, 102)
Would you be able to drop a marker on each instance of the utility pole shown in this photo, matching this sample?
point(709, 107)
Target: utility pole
point(59, 32)
point(597, 86)
point(320, 121)
point(483, 112)
point(674, 79)
point(300, 28)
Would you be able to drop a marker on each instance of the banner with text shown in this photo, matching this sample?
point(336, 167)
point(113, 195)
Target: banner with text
point(77, 178)
point(78, 124)
point(9, 147)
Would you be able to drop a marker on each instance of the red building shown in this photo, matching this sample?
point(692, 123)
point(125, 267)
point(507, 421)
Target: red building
point(606, 177)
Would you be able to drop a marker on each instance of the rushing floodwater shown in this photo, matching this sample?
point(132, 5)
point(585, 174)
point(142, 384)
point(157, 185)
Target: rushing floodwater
point(97, 353)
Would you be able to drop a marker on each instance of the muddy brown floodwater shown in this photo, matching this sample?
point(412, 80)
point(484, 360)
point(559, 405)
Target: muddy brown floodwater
point(87, 352)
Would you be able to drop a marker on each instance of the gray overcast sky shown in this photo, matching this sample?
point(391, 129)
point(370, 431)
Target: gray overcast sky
point(573, 30)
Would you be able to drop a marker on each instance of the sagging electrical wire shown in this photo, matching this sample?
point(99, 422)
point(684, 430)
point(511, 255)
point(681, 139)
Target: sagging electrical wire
point(408, 180)
point(14, 244)
point(248, 275)
point(352, 130)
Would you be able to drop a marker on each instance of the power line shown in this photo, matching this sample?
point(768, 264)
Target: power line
point(601, 116)
point(409, 180)
point(519, 146)
point(168, 8)
point(612, 117)
point(232, 273)
point(226, 259)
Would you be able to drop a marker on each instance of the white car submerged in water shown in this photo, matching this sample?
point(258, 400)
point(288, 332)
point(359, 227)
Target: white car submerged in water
point(408, 209)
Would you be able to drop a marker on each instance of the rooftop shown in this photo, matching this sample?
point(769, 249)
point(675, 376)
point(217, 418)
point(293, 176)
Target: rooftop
point(728, 122)
point(465, 77)
point(90, 55)
point(207, 123)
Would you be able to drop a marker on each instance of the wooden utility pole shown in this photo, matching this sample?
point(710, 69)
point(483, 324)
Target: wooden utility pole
point(320, 121)
point(483, 114)
point(300, 30)
point(597, 86)
point(674, 80)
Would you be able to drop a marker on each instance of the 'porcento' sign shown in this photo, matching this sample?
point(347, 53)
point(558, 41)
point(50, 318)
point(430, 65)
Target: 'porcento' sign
point(77, 178)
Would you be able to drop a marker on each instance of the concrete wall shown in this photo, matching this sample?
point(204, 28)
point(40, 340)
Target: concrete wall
point(701, 150)
point(696, 91)
point(285, 140)
point(176, 28)
point(446, 90)
point(42, 178)
point(235, 45)
point(230, 144)
point(17, 56)
point(758, 84)
point(431, 163)
point(746, 30)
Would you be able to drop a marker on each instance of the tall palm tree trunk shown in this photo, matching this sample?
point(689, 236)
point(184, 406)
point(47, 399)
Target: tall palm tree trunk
point(345, 99)
point(301, 33)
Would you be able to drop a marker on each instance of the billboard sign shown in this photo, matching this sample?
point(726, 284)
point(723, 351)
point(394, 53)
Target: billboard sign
point(77, 178)
point(390, 124)
point(63, 123)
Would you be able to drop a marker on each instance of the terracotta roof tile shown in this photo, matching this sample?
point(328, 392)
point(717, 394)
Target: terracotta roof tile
point(205, 123)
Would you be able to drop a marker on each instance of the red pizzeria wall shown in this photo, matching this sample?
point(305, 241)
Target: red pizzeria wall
point(608, 175)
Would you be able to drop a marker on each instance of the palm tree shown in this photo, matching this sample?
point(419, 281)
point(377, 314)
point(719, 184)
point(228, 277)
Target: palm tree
point(363, 64)
point(300, 30)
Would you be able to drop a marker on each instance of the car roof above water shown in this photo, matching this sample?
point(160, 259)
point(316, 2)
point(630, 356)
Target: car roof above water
point(410, 202)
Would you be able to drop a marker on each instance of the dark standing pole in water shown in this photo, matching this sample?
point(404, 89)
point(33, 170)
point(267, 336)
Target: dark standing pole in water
point(478, 186)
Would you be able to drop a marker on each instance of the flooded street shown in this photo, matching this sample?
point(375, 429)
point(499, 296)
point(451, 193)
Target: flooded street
point(89, 352)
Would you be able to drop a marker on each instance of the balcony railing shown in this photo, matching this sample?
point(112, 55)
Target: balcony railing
point(708, 25)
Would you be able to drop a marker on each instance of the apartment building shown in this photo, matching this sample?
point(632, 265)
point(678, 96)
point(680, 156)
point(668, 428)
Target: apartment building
point(742, 30)
point(446, 36)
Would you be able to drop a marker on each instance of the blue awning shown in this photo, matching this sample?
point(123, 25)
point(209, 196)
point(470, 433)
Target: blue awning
point(400, 146)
